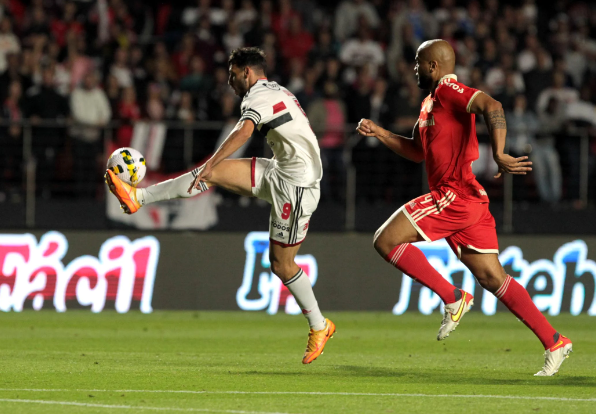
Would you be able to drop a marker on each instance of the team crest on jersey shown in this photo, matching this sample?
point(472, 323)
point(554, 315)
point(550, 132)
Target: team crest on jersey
point(272, 85)
point(429, 106)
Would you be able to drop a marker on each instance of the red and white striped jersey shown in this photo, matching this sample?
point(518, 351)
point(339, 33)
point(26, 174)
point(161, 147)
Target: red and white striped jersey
point(277, 114)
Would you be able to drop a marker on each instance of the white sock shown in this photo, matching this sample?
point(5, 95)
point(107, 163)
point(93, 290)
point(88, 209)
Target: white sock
point(300, 287)
point(166, 190)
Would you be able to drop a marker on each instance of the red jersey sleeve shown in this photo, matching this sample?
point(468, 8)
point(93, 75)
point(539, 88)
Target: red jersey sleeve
point(455, 96)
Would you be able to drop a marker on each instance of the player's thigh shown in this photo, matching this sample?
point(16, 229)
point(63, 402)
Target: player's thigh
point(282, 260)
point(234, 176)
point(396, 230)
point(485, 267)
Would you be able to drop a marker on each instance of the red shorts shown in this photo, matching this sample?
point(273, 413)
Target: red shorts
point(464, 223)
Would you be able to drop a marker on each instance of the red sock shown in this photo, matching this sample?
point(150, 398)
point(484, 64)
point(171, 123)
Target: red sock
point(410, 260)
point(516, 298)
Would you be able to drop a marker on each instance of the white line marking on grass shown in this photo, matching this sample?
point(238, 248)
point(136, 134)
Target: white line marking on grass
point(357, 394)
point(133, 407)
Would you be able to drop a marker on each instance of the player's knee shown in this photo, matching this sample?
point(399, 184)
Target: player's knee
point(280, 268)
point(489, 281)
point(381, 243)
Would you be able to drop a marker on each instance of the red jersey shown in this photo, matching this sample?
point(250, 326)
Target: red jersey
point(448, 134)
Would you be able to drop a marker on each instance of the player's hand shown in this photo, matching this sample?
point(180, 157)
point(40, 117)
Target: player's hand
point(512, 165)
point(203, 175)
point(367, 128)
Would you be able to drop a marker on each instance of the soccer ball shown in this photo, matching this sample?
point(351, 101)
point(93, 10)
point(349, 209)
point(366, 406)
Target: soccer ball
point(128, 164)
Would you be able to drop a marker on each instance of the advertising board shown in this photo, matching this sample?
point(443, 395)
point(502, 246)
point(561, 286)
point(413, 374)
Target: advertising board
point(231, 271)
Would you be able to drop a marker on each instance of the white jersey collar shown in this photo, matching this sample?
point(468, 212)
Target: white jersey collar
point(450, 76)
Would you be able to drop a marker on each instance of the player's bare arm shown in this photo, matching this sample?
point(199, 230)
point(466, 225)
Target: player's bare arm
point(237, 138)
point(494, 116)
point(409, 148)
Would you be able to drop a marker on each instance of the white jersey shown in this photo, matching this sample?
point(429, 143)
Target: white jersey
point(277, 114)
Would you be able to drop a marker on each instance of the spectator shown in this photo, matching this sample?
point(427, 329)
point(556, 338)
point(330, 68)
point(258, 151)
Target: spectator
point(296, 42)
point(576, 62)
point(11, 156)
point(281, 21)
point(501, 47)
point(182, 57)
point(403, 46)
point(38, 27)
point(509, 92)
point(246, 16)
point(197, 81)
point(137, 68)
point(363, 50)
point(91, 111)
point(489, 56)
point(309, 92)
point(379, 110)
point(496, 76)
point(185, 111)
point(295, 81)
point(232, 39)
point(559, 91)
point(358, 97)
point(120, 69)
point(191, 15)
point(60, 28)
point(11, 74)
point(112, 93)
point(415, 15)
point(45, 103)
point(80, 63)
point(527, 60)
point(539, 78)
point(155, 107)
point(325, 48)
point(328, 119)
point(128, 112)
point(406, 108)
point(348, 14)
point(9, 43)
point(547, 168)
point(208, 46)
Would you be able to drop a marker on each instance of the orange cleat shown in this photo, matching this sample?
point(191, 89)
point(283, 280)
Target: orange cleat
point(125, 193)
point(316, 342)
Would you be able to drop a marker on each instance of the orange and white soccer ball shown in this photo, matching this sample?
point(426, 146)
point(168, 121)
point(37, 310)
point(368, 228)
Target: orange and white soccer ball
point(128, 164)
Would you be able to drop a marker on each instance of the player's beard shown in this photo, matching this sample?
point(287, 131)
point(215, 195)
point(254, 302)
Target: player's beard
point(242, 87)
point(424, 82)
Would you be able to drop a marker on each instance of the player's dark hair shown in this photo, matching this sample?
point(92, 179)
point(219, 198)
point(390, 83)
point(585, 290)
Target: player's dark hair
point(253, 57)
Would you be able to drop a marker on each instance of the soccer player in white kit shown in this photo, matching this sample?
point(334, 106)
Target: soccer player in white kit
point(289, 181)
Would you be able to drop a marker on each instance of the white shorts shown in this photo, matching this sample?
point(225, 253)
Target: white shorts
point(291, 206)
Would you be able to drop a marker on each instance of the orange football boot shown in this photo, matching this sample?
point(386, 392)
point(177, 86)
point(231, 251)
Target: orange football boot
point(125, 193)
point(316, 342)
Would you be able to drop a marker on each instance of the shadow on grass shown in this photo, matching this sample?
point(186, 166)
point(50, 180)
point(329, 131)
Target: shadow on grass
point(426, 377)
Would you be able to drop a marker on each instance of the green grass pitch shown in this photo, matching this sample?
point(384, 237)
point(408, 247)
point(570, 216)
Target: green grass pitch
point(232, 362)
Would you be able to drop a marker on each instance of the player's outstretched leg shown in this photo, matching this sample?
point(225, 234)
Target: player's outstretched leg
point(233, 175)
point(392, 242)
point(490, 274)
point(298, 283)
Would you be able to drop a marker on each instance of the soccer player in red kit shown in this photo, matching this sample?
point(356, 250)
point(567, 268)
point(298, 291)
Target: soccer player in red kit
point(457, 206)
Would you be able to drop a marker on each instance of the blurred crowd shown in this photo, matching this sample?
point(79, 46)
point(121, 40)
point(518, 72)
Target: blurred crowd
point(93, 63)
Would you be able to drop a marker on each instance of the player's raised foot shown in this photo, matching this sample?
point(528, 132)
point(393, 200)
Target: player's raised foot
point(453, 314)
point(125, 193)
point(554, 357)
point(316, 342)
